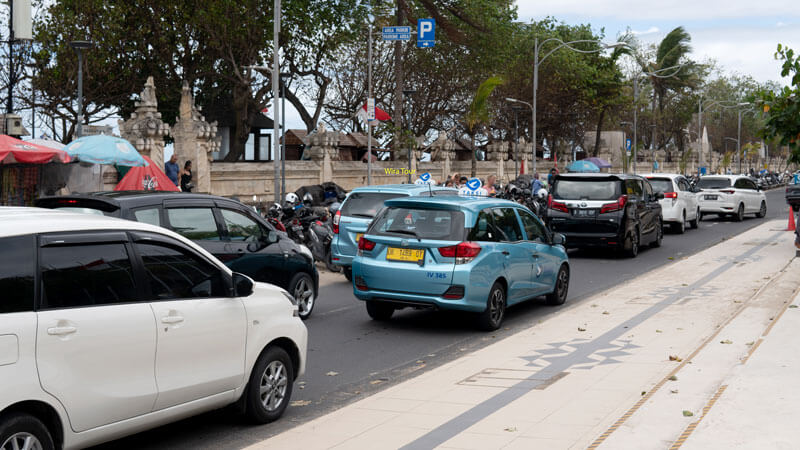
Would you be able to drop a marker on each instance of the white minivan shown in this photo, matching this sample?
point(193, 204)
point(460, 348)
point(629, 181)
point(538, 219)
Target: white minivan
point(731, 195)
point(679, 205)
point(109, 327)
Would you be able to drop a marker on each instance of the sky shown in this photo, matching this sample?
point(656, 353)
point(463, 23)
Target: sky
point(740, 35)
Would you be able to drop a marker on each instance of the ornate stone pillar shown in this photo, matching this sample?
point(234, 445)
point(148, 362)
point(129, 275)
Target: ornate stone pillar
point(145, 130)
point(323, 145)
point(195, 140)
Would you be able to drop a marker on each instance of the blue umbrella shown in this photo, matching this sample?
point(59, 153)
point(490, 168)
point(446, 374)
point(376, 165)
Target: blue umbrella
point(583, 166)
point(103, 149)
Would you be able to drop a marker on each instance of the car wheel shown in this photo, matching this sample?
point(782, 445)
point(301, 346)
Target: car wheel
point(696, 222)
point(632, 244)
point(762, 211)
point(329, 262)
point(680, 227)
point(660, 234)
point(739, 216)
point(379, 311)
point(559, 294)
point(270, 386)
point(348, 273)
point(492, 317)
point(302, 288)
point(23, 431)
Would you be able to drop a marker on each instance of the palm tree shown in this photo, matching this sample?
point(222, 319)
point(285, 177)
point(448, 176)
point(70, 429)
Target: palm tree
point(478, 114)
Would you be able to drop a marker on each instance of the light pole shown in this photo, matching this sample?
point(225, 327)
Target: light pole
point(407, 93)
point(516, 110)
point(537, 62)
point(79, 47)
point(533, 113)
point(276, 30)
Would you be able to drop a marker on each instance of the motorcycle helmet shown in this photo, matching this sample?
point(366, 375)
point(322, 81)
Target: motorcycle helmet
point(292, 198)
point(308, 199)
point(542, 193)
point(275, 210)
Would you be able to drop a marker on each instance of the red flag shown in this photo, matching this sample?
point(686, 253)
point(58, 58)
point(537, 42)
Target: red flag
point(380, 114)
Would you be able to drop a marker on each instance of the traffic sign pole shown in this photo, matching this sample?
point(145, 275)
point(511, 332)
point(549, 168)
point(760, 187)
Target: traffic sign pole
point(369, 110)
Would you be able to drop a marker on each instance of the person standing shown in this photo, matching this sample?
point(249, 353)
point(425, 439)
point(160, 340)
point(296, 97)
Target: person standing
point(553, 173)
point(490, 182)
point(171, 169)
point(186, 177)
point(536, 185)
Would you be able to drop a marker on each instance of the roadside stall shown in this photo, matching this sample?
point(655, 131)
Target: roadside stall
point(21, 170)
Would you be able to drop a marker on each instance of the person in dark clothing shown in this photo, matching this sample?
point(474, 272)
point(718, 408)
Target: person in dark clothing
point(171, 169)
point(553, 173)
point(186, 177)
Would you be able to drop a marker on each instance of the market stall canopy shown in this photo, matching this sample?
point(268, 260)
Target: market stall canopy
point(583, 166)
point(599, 162)
point(146, 178)
point(47, 143)
point(15, 151)
point(101, 149)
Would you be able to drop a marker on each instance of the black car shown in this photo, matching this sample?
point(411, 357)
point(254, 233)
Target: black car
point(793, 196)
point(226, 228)
point(605, 210)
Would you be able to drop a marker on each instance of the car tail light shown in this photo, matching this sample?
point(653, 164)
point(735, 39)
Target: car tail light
point(463, 252)
point(670, 195)
point(361, 285)
point(67, 202)
point(454, 292)
point(365, 244)
point(558, 206)
point(336, 220)
point(728, 191)
point(616, 206)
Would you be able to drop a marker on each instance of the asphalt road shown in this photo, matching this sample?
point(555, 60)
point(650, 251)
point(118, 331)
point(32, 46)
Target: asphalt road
point(351, 356)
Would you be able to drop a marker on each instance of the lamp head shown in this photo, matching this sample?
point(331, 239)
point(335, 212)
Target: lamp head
point(81, 45)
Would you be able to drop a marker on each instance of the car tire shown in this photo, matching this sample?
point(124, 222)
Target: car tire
point(329, 262)
point(659, 234)
point(739, 215)
point(561, 288)
point(680, 227)
point(492, 317)
point(762, 211)
point(17, 428)
point(632, 245)
point(696, 222)
point(270, 386)
point(348, 273)
point(379, 311)
point(302, 289)
point(795, 208)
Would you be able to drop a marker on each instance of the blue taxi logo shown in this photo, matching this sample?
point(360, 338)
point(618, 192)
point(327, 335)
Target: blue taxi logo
point(425, 176)
point(474, 184)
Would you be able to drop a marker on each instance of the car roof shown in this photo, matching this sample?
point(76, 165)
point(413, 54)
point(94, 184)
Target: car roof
point(473, 204)
point(118, 198)
point(662, 175)
point(620, 176)
point(410, 189)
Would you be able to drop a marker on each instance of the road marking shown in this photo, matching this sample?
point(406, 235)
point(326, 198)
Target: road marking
point(685, 435)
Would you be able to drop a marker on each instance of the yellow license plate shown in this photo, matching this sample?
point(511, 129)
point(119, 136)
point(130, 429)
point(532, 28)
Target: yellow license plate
point(404, 254)
point(358, 237)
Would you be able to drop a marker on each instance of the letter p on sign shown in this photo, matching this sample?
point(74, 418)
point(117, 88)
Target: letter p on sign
point(426, 33)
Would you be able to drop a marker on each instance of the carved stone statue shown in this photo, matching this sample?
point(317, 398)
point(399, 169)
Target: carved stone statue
point(144, 129)
point(195, 139)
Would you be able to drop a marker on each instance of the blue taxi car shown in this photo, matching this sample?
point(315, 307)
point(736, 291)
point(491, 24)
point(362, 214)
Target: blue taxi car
point(462, 253)
point(358, 209)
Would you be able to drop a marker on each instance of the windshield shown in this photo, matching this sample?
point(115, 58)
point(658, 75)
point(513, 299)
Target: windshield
point(714, 183)
point(366, 204)
point(661, 184)
point(436, 224)
point(586, 189)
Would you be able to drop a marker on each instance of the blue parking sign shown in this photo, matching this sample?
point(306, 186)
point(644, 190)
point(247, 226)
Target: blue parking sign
point(426, 33)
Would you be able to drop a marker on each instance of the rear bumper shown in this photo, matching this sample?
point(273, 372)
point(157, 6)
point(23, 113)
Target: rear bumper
point(584, 240)
point(401, 300)
point(671, 212)
point(793, 198)
point(717, 207)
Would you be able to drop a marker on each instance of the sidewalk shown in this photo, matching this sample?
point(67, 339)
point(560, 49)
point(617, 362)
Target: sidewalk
point(617, 370)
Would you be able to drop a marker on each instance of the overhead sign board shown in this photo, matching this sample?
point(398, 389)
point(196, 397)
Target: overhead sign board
point(397, 33)
point(426, 33)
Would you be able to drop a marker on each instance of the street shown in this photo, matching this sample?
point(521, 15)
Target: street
point(351, 356)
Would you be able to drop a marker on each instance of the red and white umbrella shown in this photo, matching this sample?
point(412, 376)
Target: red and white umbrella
point(13, 151)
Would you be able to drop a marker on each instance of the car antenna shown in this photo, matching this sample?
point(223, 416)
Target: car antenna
point(430, 190)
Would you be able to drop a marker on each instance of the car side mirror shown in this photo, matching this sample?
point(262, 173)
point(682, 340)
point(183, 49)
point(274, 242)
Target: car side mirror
point(272, 237)
point(559, 239)
point(242, 285)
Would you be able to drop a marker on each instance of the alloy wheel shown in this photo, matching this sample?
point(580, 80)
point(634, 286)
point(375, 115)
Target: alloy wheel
point(22, 441)
point(496, 306)
point(304, 294)
point(273, 385)
point(562, 285)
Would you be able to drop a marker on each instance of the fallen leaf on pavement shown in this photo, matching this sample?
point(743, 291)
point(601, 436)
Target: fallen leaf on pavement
point(644, 393)
point(581, 329)
point(332, 373)
point(594, 305)
point(671, 258)
point(684, 284)
point(510, 429)
point(726, 341)
point(673, 391)
point(737, 301)
point(673, 378)
point(675, 358)
point(687, 413)
point(792, 306)
point(301, 403)
point(750, 343)
point(376, 382)
point(606, 313)
point(419, 361)
point(658, 331)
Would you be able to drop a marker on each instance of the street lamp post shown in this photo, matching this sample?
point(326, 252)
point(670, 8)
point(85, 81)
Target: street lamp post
point(79, 47)
point(655, 74)
point(533, 113)
point(537, 62)
point(516, 110)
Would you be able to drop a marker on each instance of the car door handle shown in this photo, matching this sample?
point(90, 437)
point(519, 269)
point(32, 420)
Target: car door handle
point(505, 252)
point(172, 319)
point(61, 331)
point(535, 256)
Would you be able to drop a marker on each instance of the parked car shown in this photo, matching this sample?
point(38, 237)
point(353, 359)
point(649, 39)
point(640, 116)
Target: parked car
point(109, 327)
point(679, 204)
point(362, 203)
point(793, 196)
point(226, 228)
point(616, 211)
point(458, 253)
point(731, 195)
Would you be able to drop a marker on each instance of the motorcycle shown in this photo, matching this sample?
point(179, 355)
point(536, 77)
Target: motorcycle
point(310, 227)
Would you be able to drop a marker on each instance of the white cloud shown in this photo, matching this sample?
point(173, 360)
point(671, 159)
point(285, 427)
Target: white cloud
point(650, 30)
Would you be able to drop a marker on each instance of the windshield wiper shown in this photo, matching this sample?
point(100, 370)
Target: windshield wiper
point(411, 232)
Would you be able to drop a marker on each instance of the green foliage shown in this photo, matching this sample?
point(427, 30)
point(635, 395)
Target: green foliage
point(478, 113)
point(781, 108)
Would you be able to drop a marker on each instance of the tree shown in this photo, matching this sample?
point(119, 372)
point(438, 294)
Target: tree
point(781, 108)
point(478, 114)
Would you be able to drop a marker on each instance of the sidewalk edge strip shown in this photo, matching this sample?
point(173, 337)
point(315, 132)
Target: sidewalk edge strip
point(688, 431)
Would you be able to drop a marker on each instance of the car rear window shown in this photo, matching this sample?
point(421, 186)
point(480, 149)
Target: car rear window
point(366, 204)
point(436, 224)
point(586, 189)
point(714, 183)
point(661, 184)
